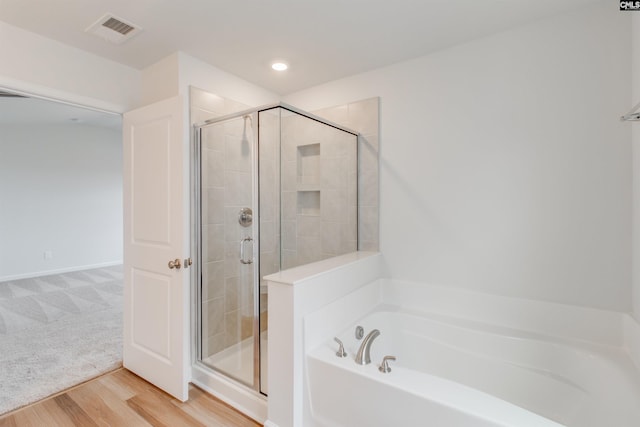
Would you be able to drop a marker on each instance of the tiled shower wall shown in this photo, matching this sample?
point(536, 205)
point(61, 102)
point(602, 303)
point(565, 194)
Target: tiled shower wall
point(363, 117)
point(205, 105)
point(269, 196)
point(319, 184)
point(227, 294)
point(227, 186)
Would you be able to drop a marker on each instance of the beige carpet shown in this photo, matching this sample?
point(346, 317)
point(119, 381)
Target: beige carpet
point(58, 331)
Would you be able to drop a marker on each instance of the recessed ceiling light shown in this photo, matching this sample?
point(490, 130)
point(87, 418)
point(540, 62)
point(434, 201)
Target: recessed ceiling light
point(279, 66)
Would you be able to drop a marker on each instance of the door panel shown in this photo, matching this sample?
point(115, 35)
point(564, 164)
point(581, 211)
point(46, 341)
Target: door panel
point(151, 178)
point(155, 296)
point(150, 300)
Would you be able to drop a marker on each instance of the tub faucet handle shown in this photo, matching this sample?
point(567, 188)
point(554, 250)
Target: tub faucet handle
point(340, 352)
point(384, 367)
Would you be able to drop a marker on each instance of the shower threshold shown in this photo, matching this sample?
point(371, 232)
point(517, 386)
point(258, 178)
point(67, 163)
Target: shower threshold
point(237, 361)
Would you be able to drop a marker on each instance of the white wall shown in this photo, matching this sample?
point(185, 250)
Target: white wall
point(41, 66)
point(60, 191)
point(174, 75)
point(635, 129)
point(194, 72)
point(504, 167)
point(160, 80)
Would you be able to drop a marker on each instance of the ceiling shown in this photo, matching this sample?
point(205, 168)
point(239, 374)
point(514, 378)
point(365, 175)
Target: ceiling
point(322, 40)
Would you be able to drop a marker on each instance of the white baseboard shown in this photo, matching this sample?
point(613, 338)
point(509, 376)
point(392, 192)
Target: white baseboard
point(270, 424)
point(59, 271)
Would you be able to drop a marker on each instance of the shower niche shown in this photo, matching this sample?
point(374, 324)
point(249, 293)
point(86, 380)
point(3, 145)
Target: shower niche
point(308, 167)
point(308, 179)
point(297, 174)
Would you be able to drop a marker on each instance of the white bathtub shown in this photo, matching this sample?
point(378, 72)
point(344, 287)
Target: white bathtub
point(451, 372)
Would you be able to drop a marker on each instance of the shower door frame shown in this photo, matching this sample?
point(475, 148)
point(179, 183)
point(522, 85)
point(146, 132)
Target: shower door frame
point(196, 203)
point(203, 375)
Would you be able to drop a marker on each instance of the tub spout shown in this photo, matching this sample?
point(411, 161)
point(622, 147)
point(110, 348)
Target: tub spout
point(364, 353)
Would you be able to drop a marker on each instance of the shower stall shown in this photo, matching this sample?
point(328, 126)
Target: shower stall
point(274, 188)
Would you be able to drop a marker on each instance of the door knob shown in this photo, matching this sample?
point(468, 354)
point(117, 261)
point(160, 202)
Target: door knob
point(175, 264)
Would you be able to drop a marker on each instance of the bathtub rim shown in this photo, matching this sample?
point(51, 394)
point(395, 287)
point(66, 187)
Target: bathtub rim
point(441, 391)
point(325, 349)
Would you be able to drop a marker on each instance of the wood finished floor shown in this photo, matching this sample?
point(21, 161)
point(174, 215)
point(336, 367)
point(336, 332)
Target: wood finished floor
point(121, 398)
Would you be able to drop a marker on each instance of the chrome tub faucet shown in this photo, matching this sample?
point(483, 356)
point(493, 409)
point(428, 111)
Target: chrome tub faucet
point(364, 353)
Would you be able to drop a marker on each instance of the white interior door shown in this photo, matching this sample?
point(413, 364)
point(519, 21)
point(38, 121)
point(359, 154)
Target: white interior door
point(156, 338)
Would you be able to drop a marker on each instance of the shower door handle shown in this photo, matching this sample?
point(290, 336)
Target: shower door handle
point(243, 244)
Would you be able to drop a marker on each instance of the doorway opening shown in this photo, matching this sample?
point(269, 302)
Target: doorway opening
point(60, 246)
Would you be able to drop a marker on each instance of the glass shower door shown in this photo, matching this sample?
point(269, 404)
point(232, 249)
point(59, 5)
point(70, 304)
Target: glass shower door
point(229, 248)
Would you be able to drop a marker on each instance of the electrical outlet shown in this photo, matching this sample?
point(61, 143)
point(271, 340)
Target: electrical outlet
point(48, 254)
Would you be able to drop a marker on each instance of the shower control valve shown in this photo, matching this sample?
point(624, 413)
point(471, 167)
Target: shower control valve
point(245, 217)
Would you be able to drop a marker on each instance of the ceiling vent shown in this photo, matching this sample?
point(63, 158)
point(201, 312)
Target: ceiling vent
point(113, 29)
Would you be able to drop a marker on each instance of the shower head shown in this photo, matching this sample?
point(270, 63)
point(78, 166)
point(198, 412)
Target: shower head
point(245, 139)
